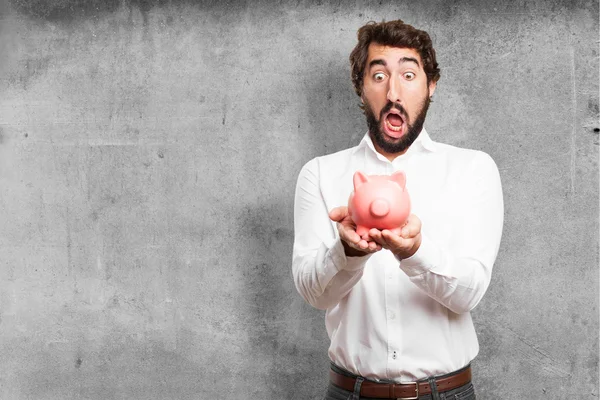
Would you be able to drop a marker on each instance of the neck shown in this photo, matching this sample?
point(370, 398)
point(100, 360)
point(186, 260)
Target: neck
point(389, 156)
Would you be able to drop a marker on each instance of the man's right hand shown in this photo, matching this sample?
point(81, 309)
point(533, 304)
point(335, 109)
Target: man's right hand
point(354, 245)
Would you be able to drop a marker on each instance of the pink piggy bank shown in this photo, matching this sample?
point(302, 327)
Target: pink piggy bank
point(379, 201)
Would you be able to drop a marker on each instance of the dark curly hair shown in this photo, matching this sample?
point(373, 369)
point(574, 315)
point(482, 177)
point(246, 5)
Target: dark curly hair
point(396, 34)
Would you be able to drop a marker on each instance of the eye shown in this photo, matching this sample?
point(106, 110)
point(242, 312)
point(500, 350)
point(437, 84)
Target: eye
point(379, 76)
point(409, 76)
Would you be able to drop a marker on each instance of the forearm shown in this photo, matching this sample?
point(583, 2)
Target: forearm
point(325, 276)
point(456, 282)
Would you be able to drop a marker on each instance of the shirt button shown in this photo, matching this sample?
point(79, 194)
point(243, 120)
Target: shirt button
point(392, 315)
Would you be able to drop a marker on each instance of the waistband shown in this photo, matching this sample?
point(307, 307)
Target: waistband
point(409, 390)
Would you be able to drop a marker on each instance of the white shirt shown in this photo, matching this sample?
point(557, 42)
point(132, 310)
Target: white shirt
point(401, 320)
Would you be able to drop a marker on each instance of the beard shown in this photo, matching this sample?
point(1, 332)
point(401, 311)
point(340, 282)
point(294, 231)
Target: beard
point(412, 133)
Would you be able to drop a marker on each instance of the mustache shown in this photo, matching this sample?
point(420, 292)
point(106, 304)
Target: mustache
point(397, 106)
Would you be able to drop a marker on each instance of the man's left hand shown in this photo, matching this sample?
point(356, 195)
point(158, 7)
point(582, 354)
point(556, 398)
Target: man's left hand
point(404, 245)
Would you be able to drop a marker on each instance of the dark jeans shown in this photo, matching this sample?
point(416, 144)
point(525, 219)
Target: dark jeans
point(466, 392)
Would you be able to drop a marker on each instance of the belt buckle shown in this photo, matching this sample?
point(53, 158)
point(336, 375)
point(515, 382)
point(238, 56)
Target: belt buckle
point(416, 391)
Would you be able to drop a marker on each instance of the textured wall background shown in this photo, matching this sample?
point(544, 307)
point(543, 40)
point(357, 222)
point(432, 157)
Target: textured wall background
point(148, 157)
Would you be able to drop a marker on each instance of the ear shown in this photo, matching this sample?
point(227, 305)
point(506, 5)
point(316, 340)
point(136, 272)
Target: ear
point(400, 178)
point(432, 86)
point(359, 179)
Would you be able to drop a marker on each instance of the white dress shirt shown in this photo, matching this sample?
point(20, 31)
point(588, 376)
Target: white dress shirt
point(401, 320)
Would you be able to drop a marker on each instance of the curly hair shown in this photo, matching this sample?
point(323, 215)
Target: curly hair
point(396, 34)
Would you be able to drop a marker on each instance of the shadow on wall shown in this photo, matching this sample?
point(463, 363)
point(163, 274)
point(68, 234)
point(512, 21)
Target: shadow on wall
point(335, 121)
point(287, 338)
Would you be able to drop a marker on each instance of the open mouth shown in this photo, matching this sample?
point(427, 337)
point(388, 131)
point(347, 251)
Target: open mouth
point(394, 124)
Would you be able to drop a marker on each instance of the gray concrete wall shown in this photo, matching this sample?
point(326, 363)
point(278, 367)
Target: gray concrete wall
point(148, 156)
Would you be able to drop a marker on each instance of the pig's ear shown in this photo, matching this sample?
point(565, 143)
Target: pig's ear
point(359, 179)
point(400, 178)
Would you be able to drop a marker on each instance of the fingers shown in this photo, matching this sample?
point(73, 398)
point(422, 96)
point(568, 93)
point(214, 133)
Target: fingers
point(349, 235)
point(412, 227)
point(402, 242)
point(373, 246)
point(393, 241)
point(338, 213)
point(369, 247)
point(389, 239)
point(375, 235)
point(347, 231)
point(402, 247)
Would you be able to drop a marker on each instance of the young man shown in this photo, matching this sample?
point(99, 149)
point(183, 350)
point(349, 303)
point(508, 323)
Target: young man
point(398, 306)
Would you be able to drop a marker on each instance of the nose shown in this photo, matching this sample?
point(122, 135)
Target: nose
point(380, 208)
point(394, 89)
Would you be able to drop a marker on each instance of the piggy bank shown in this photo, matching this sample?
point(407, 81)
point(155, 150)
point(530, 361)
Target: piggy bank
point(379, 201)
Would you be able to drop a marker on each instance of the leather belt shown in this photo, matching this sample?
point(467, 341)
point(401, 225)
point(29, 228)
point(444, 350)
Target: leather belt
point(401, 391)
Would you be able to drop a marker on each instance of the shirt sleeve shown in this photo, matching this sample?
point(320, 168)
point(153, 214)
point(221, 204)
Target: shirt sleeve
point(457, 275)
point(323, 274)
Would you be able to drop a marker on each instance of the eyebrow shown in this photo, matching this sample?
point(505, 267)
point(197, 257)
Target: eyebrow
point(402, 60)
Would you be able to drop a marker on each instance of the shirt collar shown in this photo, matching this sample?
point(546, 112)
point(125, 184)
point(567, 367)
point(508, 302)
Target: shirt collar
point(423, 143)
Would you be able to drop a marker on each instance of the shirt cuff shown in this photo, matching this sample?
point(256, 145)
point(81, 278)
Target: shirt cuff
point(343, 262)
point(426, 258)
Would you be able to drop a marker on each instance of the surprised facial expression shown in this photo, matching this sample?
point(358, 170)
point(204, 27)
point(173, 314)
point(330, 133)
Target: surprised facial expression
point(396, 97)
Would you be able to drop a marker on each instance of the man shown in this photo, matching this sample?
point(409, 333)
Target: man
point(398, 306)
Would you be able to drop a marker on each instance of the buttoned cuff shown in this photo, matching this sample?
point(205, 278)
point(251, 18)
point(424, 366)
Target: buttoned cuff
point(426, 258)
point(343, 262)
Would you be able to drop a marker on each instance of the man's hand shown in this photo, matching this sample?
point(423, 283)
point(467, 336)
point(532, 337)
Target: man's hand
point(404, 245)
point(354, 245)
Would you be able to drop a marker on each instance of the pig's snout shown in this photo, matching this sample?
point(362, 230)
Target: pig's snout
point(380, 208)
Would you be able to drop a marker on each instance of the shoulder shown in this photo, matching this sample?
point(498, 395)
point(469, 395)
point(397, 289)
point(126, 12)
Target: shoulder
point(468, 159)
point(469, 165)
point(330, 163)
